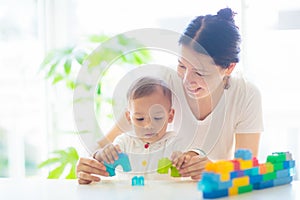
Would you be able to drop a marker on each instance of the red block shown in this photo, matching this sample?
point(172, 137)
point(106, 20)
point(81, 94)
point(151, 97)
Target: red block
point(255, 162)
point(236, 165)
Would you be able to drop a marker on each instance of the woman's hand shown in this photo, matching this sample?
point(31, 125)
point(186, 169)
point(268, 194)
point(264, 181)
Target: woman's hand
point(190, 164)
point(87, 170)
point(108, 154)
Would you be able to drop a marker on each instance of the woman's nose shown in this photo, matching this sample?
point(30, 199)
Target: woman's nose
point(188, 77)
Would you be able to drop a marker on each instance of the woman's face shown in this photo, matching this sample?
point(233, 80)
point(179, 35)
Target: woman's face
point(199, 74)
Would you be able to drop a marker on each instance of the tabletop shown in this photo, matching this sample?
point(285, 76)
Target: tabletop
point(121, 189)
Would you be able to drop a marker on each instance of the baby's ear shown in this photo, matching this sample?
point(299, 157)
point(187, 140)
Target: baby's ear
point(127, 115)
point(171, 115)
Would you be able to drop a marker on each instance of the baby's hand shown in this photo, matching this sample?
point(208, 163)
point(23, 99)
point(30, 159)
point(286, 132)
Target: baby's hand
point(108, 154)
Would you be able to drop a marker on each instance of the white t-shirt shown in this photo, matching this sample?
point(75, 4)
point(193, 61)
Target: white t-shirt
point(238, 111)
point(143, 160)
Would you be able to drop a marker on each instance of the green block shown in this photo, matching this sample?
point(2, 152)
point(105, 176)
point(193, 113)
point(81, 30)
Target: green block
point(278, 166)
point(244, 189)
point(163, 166)
point(276, 157)
point(174, 172)
point(269, 176)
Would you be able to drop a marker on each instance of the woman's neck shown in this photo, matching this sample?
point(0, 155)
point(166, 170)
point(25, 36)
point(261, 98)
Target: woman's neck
point(202, 107)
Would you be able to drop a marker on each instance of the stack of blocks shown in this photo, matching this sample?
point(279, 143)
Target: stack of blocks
point(244, 173)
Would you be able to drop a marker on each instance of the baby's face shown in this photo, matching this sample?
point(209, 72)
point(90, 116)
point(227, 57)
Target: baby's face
point(150, 116)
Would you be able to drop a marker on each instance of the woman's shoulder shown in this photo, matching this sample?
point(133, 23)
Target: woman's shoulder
point(242, 86)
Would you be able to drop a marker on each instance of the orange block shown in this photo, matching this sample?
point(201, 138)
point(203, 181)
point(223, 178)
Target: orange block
point(262, 169)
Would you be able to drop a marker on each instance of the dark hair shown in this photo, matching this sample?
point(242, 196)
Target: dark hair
point(146, 86)
point(217, 35)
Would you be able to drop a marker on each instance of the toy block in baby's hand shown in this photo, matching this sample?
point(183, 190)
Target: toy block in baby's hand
point(163, 165)
point(123, 160)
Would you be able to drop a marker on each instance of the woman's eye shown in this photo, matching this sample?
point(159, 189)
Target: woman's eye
point(181, 66)
point(139, 119)
point(199, 74)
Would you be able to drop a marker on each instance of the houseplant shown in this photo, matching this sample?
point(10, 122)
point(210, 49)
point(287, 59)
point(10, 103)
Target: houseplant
point(62, 66)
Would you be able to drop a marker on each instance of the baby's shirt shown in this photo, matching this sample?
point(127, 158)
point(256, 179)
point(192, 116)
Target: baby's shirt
point(144, 157)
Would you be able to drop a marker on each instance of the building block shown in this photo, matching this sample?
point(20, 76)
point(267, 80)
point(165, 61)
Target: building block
point(164, 164)
point(245, 174)
point(283, 180)
point(215, 194)
point(123, 161)
point(174, 172)
point(244, 189)
point(244, 154)
point(137, 181)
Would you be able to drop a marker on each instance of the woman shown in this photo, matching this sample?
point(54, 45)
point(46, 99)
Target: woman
point(219, 113)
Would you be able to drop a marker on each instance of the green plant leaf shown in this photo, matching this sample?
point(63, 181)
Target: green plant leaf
point(67, 66)
point(98, 38)
point(80, 56)
point(57, 78)
point(70, 84)
point(72, 173)
point(57, 172)
point(52, 69)
point(49, 161)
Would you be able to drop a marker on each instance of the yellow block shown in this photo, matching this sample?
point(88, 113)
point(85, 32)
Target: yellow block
point(246, 164)
point(233, 191)
point(240, 181)
point(224, 177)
point(270, 167)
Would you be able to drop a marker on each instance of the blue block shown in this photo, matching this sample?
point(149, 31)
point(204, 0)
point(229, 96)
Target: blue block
point(252, 171)
point(282, 173)
point(288, 164)
point(236, 174)
point(256, 179)
point(123, 161)
point(263, 185)
point(207, 185)
point(244, 154)
point(210, 176)
point(215, 194)
point(292, 171)
point(137, 181)
point(282, 181)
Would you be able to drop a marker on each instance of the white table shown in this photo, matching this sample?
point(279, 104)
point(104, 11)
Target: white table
point(37, 189)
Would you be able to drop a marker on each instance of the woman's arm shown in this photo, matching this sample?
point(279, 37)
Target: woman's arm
point(110, 136)
point(248, 141)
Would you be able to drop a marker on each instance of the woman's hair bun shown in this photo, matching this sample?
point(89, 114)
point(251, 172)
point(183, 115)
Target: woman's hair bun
point(226, 14)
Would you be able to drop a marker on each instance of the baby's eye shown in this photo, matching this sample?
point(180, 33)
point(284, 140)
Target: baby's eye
point(139, 118)
point(158, 118)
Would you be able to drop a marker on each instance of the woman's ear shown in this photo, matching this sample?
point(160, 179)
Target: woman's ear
point(171, 115)
point(230, 69)
point(127, 115)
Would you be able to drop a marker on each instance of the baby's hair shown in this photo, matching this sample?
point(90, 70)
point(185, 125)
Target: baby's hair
point(148, 85)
